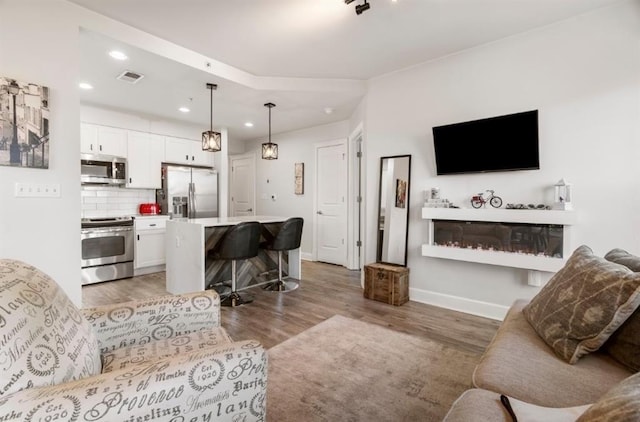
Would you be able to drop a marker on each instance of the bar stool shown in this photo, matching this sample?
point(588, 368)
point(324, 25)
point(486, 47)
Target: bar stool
point(288, 238)
point(241, 241)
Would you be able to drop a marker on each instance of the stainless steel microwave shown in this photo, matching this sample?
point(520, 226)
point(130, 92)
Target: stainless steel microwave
point(102, 170)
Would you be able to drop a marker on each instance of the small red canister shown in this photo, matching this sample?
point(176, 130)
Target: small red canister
point(149, 209)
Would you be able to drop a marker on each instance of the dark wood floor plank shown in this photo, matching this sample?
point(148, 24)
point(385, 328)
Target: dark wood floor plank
point(325, 290)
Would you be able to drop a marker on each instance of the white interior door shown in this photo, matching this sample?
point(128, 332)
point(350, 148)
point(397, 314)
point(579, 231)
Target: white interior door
point(243, 182)
point(331, 206)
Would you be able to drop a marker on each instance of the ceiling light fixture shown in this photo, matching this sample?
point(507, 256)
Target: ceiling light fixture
point(248, 124)
point(348, 1)
point(362, 7)
point(211, 141)
point(118, 55)
point(184, 109)
point(269, 149)
point(86, 86)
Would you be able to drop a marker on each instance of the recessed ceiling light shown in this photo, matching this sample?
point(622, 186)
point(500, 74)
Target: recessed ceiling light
point(85, 86)
point(248, 124)
point(328, 110)
point(184, 109)
point(118, 55)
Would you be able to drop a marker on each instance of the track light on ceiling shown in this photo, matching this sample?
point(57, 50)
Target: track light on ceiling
point(348, 1)
point(211, 141)
point(362, 7)
point(269, 149)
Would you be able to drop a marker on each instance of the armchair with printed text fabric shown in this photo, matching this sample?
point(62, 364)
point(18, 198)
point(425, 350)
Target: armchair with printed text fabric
point(160, 359)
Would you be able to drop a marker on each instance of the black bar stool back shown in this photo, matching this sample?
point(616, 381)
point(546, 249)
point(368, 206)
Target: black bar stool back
point(241, 241)
point(288, 238)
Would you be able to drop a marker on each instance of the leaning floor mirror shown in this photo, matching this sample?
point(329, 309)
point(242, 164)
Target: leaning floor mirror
point(393, 209)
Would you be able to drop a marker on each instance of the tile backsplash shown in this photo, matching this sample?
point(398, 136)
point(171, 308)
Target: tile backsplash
point(100, 202)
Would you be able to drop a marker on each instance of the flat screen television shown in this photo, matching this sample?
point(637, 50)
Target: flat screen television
point(502, 143)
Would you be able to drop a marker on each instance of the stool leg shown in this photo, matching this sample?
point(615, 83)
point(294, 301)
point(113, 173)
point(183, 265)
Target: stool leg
point(234, 298)
point(281, 285)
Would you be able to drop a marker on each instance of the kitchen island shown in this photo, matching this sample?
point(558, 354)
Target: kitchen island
point(190, 268)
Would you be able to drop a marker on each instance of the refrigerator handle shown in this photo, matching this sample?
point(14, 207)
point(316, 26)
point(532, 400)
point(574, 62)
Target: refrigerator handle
point(192, 200)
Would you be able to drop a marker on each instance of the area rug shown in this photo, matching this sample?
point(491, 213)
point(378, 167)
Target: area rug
point(348, 370)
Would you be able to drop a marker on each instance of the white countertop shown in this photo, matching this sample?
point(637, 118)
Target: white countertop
point(229, 221)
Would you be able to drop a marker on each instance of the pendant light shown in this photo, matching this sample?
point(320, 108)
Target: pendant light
point(269, 149)
point(211, 141)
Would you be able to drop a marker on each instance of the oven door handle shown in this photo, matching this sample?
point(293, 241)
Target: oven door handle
point(107, 230)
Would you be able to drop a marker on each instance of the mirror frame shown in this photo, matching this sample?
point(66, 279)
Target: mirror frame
point(379, 243)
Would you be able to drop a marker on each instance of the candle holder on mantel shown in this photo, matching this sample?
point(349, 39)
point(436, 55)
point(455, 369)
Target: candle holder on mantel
point(562, 196)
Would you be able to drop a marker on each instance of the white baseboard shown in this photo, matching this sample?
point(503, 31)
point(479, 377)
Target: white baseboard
point(306, 256)
point(461, 304)
point(148, 270)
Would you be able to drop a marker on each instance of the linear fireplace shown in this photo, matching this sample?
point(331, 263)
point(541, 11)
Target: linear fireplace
point(533, 239)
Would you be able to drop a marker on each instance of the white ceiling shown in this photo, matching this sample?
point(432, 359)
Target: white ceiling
point(291, 39)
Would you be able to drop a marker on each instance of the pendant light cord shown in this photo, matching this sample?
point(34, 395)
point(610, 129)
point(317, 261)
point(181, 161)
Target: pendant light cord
point(269, 124)
point(211, 117)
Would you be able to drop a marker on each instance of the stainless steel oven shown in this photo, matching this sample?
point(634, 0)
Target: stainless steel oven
point(107, 249)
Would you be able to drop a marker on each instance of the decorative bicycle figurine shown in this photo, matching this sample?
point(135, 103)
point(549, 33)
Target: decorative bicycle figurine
point(478, 200)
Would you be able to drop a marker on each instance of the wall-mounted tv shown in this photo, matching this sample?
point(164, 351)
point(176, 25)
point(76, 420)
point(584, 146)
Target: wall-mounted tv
point(501, 143)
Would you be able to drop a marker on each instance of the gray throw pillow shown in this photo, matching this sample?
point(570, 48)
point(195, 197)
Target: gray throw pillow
point(583, 304)
point(622, 257)
point(620, 404)
point(624, 344)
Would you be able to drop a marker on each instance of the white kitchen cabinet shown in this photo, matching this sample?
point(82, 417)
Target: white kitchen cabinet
point(107, 140)
point(200, 157)
point(186, 151)
point(88, 138)
point(145, 154)
point(149, 250)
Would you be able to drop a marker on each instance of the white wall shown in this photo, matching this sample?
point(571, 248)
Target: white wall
point(41, 46)
point(583, 75)
point(277, 176)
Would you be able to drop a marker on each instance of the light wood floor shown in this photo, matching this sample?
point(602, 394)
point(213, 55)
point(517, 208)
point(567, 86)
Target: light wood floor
point(325, 290)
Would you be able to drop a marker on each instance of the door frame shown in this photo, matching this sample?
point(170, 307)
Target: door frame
point(251, 155)
point(355, 219)
point(316, 147)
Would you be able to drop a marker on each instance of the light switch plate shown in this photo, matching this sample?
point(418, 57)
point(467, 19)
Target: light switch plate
point(37, 190)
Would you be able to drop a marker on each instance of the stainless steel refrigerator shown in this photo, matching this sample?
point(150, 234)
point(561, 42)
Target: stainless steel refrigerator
point(188, 191)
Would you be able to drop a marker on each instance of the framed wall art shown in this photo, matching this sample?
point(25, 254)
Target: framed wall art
point(299, 178)
point(24, 124)
point(401, 193)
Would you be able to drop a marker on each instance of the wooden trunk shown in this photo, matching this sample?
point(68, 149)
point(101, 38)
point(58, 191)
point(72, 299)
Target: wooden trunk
point(386, 283)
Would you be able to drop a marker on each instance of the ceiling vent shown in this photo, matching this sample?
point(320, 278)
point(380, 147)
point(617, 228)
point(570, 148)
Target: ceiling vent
point(129, 76)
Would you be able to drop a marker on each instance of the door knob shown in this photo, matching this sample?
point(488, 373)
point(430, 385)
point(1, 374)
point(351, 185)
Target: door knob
point(250, 210)
point(319, 212)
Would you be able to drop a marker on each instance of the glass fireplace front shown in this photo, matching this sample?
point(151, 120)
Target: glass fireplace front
point(533, 239)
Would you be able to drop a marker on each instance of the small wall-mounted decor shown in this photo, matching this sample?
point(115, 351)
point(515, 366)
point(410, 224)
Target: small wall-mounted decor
point(401, 193)
point(299, 178)
point(24, 124)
